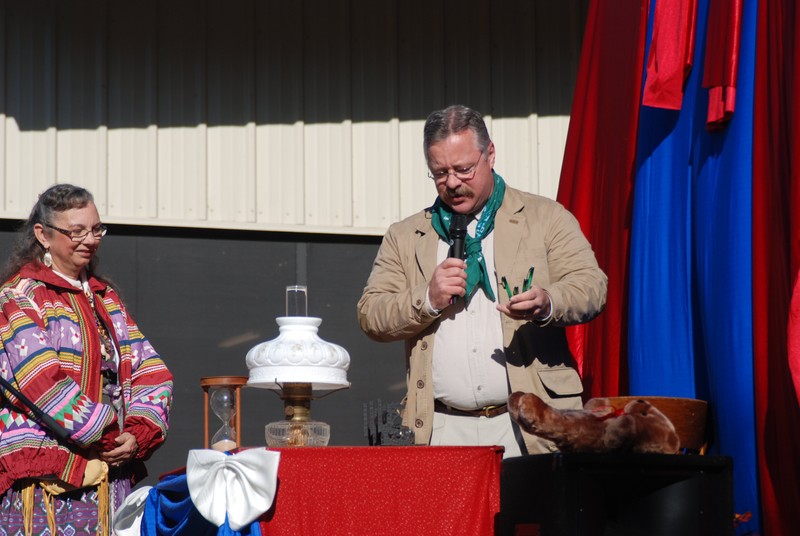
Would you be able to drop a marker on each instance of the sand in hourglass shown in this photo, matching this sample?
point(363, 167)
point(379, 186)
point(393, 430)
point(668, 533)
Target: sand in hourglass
point(224, 445)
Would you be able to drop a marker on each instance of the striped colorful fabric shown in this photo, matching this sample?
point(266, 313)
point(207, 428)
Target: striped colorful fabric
point(50, 350)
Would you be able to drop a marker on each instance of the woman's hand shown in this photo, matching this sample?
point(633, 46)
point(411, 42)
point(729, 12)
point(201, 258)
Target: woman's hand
point(126, 450)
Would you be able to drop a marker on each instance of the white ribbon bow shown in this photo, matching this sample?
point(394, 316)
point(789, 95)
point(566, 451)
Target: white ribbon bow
point(241, 485)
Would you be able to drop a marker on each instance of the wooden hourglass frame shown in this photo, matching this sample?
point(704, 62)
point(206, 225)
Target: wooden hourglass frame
point(209, 383)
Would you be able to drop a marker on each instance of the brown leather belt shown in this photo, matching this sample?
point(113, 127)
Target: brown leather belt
point(486, 411)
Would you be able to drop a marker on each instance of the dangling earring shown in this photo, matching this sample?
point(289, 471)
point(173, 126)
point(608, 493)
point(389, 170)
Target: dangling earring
point(47, 259)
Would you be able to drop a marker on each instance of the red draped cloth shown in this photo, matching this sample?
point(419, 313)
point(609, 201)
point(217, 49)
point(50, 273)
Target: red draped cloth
point(671, 49)
point(386, 490)
point(776, 261)
point(722, 60)
point(597, 177)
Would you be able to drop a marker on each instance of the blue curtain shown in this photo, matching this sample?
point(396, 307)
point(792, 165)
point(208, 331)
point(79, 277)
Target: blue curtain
point(690, 294)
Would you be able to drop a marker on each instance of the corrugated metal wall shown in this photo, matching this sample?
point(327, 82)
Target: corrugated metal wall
point(275, 115)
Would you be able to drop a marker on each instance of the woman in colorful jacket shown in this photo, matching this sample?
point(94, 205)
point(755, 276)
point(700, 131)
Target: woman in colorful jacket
point(70, 347)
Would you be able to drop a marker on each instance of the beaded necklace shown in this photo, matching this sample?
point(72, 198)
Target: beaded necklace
point(107, 349)
point(111, 393)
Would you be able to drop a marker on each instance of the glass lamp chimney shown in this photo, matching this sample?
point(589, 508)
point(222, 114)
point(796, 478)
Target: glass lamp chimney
point(296, 300)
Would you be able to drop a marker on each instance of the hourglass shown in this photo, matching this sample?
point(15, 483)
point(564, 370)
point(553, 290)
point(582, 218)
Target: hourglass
point(223, 406)
point(225, 403)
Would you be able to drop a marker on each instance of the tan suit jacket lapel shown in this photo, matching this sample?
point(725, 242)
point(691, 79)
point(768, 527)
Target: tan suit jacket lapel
point(425, 248)
point(509, 226)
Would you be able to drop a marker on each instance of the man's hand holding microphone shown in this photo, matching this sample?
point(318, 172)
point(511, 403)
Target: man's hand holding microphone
point(449, 281)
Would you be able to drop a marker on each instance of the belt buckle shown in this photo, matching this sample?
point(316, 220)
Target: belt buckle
point(487, 409)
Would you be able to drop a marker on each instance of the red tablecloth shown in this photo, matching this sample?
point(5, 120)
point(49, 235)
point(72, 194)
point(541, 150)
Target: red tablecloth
point(385, 490)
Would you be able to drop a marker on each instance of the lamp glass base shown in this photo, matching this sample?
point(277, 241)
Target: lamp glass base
point(298, 434)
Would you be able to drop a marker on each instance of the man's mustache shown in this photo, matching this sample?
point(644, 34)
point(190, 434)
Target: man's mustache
point(461, 191)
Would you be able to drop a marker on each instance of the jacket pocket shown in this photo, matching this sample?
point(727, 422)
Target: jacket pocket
point(563, 386)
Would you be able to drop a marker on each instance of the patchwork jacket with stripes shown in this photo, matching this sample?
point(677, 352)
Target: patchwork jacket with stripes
point(51, 352)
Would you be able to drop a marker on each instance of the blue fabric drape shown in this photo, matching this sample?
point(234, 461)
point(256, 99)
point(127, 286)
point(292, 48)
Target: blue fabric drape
point(169, 511)
point(690, 325)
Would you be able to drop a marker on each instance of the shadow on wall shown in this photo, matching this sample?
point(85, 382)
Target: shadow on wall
point(80, 65)
point(204, 297)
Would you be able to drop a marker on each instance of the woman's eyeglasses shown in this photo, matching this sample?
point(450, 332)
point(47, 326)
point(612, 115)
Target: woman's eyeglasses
point(98, 231)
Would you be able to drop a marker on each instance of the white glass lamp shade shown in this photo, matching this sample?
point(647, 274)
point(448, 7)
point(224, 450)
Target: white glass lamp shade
point(298, 355)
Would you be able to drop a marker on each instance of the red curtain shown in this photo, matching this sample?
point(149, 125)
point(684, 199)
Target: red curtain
point(722, 59)
point(794, 338)
point(671, 50)
point(598, 173)
point(776, 259)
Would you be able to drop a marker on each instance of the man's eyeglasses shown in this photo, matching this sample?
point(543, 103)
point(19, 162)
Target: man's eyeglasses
point(462, 174)
point(98, 231)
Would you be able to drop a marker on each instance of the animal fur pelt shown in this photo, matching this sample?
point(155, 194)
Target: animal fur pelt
point(598, 427)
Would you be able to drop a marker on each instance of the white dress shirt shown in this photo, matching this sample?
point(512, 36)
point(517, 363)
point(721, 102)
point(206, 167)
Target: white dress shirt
point(469, 369)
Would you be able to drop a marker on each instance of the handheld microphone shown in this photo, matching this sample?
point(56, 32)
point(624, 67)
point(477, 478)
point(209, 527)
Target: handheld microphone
point(458, 234)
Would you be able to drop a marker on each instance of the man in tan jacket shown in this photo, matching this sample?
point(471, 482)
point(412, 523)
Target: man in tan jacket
point(479, 329)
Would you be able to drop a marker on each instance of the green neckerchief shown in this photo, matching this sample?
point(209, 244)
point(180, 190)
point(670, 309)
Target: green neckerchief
point(477, 274)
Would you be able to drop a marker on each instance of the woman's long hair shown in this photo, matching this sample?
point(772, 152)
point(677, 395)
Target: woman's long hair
point(58, 198)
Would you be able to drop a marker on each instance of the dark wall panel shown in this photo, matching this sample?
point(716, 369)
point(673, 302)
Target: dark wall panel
point(205, 297)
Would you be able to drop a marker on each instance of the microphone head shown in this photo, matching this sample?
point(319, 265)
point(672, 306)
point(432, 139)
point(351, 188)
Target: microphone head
point(458, 226)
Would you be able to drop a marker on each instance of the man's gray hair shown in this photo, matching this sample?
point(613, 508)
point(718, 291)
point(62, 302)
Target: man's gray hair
point(453, 120)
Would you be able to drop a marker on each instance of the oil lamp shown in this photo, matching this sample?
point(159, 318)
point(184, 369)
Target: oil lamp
point(295, 365)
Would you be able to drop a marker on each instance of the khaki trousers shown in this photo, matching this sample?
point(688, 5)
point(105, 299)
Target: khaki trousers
point(456, 430)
